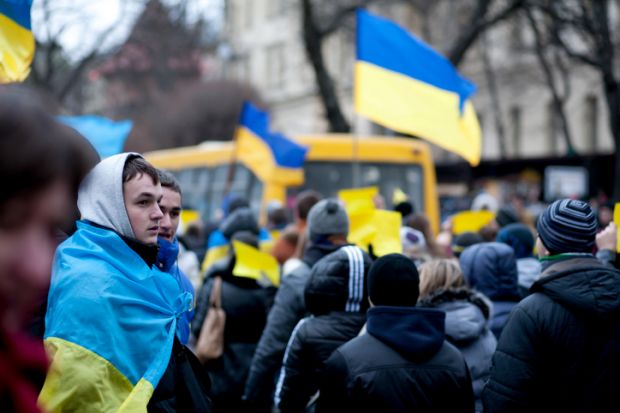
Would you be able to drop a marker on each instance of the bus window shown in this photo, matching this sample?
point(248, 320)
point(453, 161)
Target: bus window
point(329, 177)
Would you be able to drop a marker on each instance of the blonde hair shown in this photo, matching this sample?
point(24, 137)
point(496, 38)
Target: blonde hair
point(440, 273)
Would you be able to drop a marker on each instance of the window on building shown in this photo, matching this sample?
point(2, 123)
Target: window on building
point(591, 122)
point(553, 129)
point(248, 14)
point(276, 8)
point(275, 66)
point(515, 130)
point(242, 66)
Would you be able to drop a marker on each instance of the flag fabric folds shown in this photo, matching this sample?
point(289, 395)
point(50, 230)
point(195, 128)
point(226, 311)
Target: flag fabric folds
point(16, 40)
point(106, 135)
point(270, 155)
point(110, 325)
point(405, 85)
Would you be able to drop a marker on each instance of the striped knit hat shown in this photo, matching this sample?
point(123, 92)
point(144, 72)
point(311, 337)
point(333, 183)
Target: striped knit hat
point(567, 226)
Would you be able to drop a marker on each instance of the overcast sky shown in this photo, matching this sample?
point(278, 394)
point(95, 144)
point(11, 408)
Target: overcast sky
point(83, 22)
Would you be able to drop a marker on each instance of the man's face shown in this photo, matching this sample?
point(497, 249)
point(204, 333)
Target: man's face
point(170, 206)
point(141, 198)
point(28, 240)
point(540, 248)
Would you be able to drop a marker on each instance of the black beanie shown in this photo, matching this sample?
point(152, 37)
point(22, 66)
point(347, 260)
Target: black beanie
point(464, 240)
point(393, 280)
point(506, 216)
point(567, 225)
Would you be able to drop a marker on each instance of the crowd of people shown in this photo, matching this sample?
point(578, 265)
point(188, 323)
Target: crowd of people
point(104, 305)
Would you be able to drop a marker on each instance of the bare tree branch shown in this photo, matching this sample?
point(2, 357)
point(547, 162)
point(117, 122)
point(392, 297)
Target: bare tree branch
point(478, 23)
point(558, 103)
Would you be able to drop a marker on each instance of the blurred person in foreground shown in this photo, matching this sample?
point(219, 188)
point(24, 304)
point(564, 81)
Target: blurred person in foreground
point(41, 167)
point(112, 326)
point(559, 350)
point(402, 363)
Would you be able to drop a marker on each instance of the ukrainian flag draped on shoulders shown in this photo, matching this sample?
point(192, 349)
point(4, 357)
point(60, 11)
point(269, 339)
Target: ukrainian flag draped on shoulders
point(110, 325)
point(16, 40)
point(270, 155)
point(405, 85)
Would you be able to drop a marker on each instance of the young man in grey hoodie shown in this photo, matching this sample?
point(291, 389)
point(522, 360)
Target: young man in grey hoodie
point(111, 325)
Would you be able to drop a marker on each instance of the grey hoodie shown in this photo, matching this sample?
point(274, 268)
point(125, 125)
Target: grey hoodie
point(100, 197)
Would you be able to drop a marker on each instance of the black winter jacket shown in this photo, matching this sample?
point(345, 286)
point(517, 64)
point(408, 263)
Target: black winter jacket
point(337, 299)
point(288, 308)
point(402, 364)
point(560, 350)
point(246, 305)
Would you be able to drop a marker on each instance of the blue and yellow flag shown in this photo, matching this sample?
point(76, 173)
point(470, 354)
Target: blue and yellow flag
point(16, 40)
point(405, 85)
point(110, 325)
point(270, 155)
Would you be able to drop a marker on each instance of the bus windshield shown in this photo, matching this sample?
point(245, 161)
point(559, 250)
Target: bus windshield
point(330, 177)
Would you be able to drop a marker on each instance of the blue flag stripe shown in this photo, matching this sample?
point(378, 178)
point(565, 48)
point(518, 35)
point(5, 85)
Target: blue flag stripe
point(17, 10)
point(287, 153)
point(387, 45)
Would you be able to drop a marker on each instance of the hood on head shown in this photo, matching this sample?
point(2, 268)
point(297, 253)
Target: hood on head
point(100, 197)
point(586, 287)
point(467, 312)
point(491, 268)
point(416, 333)
point(338, 282)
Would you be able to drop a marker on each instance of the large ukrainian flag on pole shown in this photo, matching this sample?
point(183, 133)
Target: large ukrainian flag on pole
point(16, 40)
point(270, 155)
point(403, 84)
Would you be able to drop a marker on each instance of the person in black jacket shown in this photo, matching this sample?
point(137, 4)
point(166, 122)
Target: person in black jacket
point(336, 297)
point(559, 349)
point(327, 230)
point(246, 303)
point(403, 362)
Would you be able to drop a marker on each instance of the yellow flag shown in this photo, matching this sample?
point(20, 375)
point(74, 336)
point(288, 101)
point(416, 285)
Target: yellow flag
point(470, 221)
point(362, 230)
point(255, 264)
point(399, 196)
point(617, 221)
point(358, 200)
point(387, 237)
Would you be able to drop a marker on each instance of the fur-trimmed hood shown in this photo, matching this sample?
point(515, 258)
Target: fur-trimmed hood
point(468, 312)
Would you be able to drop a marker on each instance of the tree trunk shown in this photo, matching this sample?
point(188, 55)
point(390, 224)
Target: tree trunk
point(558, 102)
point(313, 42)
point(612, 97)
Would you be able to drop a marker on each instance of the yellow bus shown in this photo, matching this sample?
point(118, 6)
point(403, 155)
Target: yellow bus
point(389, 163)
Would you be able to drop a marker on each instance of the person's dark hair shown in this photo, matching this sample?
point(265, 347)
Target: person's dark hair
point(278, 218)
point(305, 202)
point(168, 180)
point(135, 166)
point(405, 208)
point(35, 149)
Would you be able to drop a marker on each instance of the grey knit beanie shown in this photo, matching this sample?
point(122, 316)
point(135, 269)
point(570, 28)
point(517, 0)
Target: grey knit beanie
point(327, 217)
